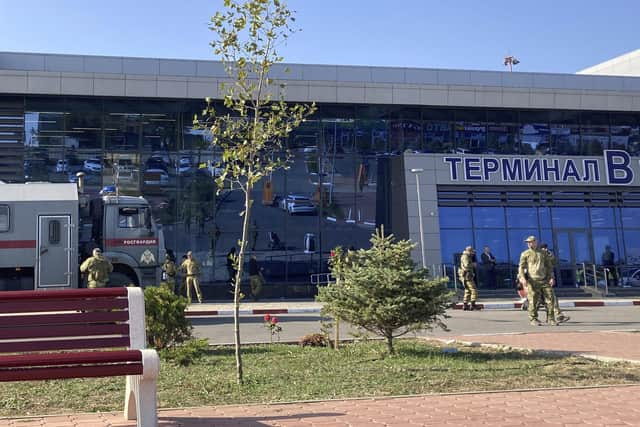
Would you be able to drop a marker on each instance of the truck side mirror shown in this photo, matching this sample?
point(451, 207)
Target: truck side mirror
point(147, 219)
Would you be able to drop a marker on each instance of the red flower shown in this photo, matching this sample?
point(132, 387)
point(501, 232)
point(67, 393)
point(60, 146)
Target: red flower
point(274, 320)
point(267, 317)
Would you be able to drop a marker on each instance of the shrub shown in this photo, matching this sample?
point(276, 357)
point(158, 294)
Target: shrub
point(187, 353)
point(167, 325)
point(313, 340)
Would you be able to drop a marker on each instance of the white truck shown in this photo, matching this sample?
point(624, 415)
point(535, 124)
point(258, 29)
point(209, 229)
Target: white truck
point(47, 229)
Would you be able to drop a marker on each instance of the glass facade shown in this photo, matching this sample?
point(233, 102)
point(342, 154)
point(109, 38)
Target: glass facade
point(329, 194)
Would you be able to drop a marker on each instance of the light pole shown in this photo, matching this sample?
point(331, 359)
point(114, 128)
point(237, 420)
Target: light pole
point(417, 172)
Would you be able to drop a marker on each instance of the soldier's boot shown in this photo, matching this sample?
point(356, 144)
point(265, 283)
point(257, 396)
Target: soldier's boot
point(474, 306)
point(466, 307)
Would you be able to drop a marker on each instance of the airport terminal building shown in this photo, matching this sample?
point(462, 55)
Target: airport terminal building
point(498, 156)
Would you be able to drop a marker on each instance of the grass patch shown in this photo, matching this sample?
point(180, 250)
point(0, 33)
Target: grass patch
point(279, 372)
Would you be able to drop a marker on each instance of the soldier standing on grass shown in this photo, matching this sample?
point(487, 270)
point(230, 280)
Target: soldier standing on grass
point(535, 271)
point(98, 268)
point(467, 275)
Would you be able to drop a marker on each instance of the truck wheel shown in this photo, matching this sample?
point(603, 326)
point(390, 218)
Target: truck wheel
point(118, 279)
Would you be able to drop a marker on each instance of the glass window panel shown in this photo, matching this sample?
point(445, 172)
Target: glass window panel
point(455, 217)
point(84, 124)
point(371, 136)
point(54, 232)
point(496, 240)
point(570, 218)
point(632, 246)
point(535, 138)
point(545, 217)
point(470, 137)
point(4, 218)
point(503, 138)
point(437, 137)
point(488, 217)
point(522, 217)
point(630, 217)
point(516, 242)
point(602, 218)
point(626, 138)
point(405, 135)
point(453, 243)
point(602, 239)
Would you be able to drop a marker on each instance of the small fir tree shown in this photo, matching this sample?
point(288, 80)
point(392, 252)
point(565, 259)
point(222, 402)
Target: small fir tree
point(381, 291)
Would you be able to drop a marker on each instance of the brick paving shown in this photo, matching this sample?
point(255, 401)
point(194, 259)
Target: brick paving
point(597, 344)
point(599, 406)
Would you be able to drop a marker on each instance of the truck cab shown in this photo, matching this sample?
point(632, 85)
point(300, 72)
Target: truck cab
point(128, 235)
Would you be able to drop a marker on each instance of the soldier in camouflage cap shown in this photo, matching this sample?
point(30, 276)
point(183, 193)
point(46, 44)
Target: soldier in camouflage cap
point(98, 268)
point(467, 275)
point(535, 271)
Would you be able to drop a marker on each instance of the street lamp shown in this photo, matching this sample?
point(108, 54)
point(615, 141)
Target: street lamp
point(417, 172)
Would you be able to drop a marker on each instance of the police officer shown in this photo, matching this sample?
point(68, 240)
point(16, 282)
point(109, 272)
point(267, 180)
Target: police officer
point(467, 275)
point(191, 268)
point(535, 271)
point(98, 268)
point(169, 269)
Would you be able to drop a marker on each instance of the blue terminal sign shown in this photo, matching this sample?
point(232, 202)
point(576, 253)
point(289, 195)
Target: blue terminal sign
point(615, 168)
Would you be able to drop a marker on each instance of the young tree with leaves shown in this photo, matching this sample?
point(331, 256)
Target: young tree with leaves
point(251, 132)
point(381, 291)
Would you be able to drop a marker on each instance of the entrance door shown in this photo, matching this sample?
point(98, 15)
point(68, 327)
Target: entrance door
point(572, 248)
point(53, 268)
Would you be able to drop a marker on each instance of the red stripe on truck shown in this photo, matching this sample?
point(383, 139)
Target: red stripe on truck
point(17, 244)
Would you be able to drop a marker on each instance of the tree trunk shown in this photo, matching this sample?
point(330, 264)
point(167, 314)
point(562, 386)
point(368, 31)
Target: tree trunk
point(238, 280)
point(390, 343)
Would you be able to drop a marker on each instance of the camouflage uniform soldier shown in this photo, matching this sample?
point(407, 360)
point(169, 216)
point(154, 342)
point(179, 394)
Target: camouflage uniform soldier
point(560, 317)
point(191, 268)
point(169, 268)
point(98, 268)
point(535, 271)
point(467, 275)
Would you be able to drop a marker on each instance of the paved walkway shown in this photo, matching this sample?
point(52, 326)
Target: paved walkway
point(606, 406)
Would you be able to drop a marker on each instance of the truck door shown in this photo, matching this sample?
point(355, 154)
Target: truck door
point(53, 265)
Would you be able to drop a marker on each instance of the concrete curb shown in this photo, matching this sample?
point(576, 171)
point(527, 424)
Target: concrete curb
point(510, 305)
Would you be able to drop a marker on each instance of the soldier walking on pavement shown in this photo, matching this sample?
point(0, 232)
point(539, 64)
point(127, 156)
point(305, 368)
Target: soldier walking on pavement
point(535, 271)
point(98, 268)
point(191, 268)
point(467, 275)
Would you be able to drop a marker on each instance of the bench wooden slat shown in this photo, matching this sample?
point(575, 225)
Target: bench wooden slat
point(63, 294)
point(68, 344)
point(61, 372)
point(62, 305)
point(71, 358)
point(64, 331)
point(64, 318)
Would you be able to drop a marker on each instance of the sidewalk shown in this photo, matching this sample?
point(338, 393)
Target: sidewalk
point(290, 307)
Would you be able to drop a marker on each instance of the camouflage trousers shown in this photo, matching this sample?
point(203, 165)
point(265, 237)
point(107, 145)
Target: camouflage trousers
point(539, 291)
point(470, 291)
point(193, 281)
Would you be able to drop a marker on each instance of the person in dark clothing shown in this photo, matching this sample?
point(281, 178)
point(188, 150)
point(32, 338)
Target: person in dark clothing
point(489, 267)
point(609, 262)
point(231, 263)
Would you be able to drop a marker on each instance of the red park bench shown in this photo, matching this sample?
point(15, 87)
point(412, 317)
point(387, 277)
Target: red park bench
point(80, 333)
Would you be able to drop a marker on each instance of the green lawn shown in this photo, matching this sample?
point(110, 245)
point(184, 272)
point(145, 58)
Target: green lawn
point(279, 372)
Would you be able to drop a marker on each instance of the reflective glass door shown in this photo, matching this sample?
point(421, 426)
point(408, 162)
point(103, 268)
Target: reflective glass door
point(572, 248)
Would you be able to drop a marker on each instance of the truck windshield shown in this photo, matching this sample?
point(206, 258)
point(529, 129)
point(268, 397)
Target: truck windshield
point(132, 217)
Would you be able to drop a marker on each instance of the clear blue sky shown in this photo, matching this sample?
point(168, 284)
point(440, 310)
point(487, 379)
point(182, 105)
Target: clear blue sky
point(545, 35)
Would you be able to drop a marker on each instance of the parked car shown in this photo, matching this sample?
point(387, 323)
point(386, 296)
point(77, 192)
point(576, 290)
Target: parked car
point(155, 177)
point(301, 207)
point(62, 166)
point(184, 166)
point(291, 197)
point(93, 165)
point(154, 162)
